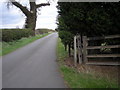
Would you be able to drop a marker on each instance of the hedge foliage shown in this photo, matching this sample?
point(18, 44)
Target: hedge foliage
point(66, 37)
point(15, 34)
point(44, 30)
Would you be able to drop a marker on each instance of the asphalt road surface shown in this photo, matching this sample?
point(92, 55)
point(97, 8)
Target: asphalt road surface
point(33, 66)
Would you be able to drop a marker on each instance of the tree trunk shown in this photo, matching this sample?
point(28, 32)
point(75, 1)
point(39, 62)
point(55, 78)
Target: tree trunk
point(31, 18)
point(31, 22)
point(69, 49)
point(65, 45)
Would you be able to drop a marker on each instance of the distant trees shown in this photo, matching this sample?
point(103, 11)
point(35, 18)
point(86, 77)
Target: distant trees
point(31, 15)
point(91, 19)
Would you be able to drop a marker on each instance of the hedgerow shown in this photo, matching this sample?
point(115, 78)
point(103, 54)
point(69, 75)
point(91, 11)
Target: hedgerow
point(15, 34)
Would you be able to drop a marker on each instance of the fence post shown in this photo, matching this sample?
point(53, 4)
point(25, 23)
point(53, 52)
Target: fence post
point(79, 50)
point(75, 50)
point(85, 49)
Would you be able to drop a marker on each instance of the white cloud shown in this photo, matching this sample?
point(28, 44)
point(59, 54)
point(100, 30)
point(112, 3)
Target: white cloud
point(11, 18)
point(1, 1)
point(48, 17)
point(19, 24)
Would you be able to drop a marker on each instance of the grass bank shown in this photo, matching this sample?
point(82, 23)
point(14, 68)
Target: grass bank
point(61, 53)
point(75, 79)
point(7, 47)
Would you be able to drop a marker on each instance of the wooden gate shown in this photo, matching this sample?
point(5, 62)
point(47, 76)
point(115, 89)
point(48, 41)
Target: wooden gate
point(81, 48)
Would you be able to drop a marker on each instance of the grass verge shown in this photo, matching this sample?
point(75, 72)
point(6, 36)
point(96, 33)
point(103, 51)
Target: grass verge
point(7, 47)
point(75, 79)
point(61, 53)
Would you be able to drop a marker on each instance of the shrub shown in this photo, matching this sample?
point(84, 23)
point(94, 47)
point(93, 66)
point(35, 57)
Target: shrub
point(66, 37)
point(67, 40)
point(15, 34)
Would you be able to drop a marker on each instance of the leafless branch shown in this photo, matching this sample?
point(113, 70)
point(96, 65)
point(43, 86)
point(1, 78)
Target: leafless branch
point(43, 4)
point(22, 8)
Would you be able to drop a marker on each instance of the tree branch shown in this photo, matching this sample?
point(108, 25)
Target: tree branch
point(32, 5)
point(42, 4)
point(22, 8)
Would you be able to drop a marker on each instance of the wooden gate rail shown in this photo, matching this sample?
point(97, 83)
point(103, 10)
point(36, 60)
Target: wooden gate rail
point(103, 55)
point(99, 47)
point(104, 37)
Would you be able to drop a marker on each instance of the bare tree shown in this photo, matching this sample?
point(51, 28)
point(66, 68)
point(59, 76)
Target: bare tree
point(31, 15)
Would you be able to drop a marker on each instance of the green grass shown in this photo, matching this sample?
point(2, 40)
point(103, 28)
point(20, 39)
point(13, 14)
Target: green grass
point(85, 80)
point(80, 80)
point(62, 54)
point(7, 47)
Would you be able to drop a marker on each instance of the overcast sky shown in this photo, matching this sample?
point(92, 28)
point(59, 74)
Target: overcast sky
point(14, 18)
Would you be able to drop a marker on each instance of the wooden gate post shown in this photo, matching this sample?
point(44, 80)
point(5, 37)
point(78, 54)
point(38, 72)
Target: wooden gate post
point(85, 49)
point(79, 50)
point(75, 52)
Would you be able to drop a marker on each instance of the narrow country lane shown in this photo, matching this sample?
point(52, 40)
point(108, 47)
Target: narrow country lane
point(33, 66)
